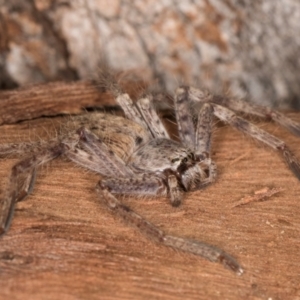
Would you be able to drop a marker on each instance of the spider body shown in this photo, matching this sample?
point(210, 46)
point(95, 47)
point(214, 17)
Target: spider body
point(136, 156)
point(156, 158)
point(163, 157)
point(122, 140)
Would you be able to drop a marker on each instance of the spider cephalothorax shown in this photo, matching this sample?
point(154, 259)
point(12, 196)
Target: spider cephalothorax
point(166, 158)
point(136, 156)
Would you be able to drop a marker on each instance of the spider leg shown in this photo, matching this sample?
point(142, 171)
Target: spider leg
point(203, 148)
point(238, 105)
point(142, 112)
point(259, 134)
point(147, 110)
point(203, 130)
point(28, 165)
point(204, 250)
point(105, 157)
point(27, 186)
point(130, 109)
point(142, 185)
point(88, 161)
point(18, 148)
point(211, 167)
point(184, 118)
point(123, 99)
point(175, 191)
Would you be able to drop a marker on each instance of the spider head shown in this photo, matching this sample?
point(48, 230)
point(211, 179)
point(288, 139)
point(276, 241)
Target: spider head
point(193, 173)
point(183, 161)
point(164, 156)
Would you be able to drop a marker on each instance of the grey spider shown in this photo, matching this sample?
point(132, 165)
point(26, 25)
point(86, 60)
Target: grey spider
point(136, 156)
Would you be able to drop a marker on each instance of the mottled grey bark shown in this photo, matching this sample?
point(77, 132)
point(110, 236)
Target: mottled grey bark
point(245, 47)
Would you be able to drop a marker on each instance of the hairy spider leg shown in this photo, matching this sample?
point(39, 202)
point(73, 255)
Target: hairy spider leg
point(184, 119)
point(245, 126)
point(25, 166)
point(239, 105)
point(204, 250)
point(27, 186)
point(111, 162)
point(204, 130)
point(148, 112)
point(129, 108)
point(203, 143)
point(200, 139)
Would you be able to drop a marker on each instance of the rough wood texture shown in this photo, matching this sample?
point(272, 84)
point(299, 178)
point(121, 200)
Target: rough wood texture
point(49, 99)
point(55, 98)
point(64, 245)
point(244, 46)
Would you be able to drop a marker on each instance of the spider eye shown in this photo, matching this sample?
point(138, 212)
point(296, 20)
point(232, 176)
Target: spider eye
point(185, 160)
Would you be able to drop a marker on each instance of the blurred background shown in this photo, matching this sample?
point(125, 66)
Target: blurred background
point(247, 48)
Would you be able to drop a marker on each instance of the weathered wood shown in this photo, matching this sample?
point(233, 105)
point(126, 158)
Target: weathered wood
point(63, 244)
point(49, 99)
point(55, 98)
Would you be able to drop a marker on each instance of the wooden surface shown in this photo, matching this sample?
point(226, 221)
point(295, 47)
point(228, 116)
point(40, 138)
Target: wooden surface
point(55, 98)
point(63, 244)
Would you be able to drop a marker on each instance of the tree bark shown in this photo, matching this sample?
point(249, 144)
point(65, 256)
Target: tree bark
point(244, 47)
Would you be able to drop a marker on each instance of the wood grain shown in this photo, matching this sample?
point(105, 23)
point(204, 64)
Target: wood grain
point(55, 98)
point(63, 244)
